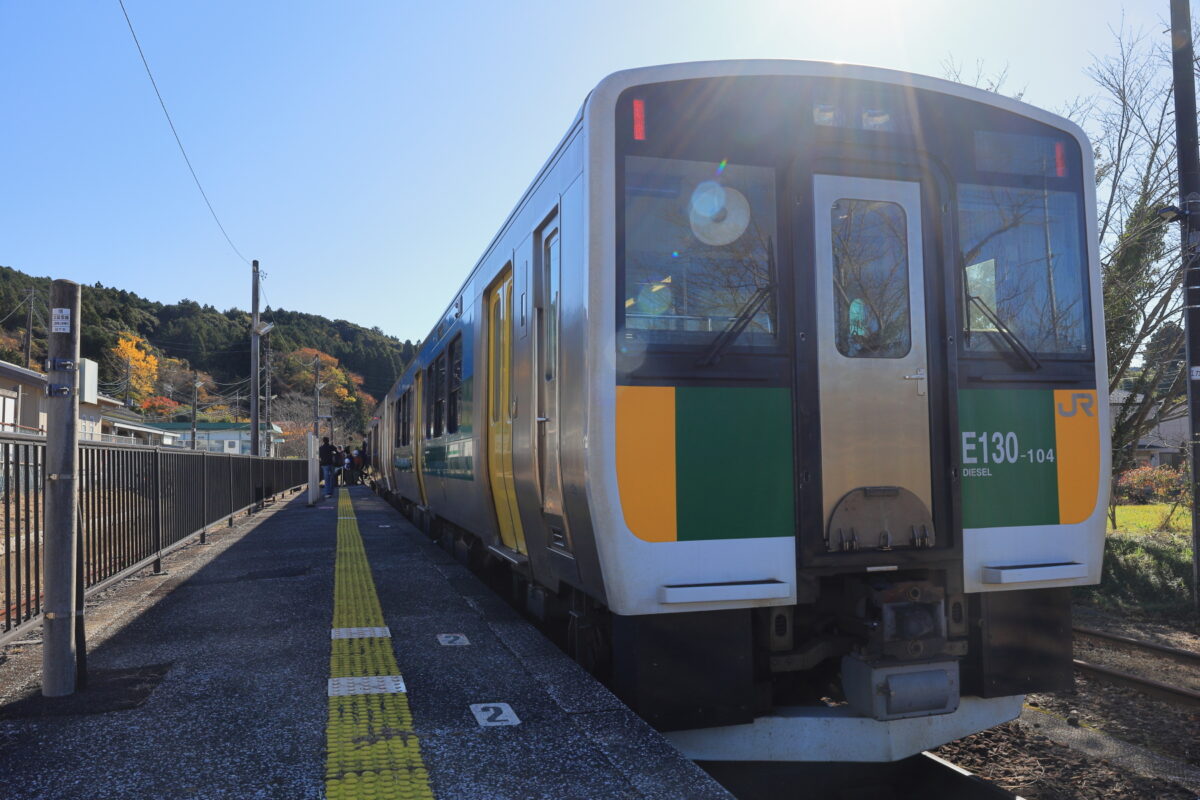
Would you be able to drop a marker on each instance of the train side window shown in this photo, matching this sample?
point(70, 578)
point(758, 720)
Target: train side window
point(454, 383)
point(870, 279)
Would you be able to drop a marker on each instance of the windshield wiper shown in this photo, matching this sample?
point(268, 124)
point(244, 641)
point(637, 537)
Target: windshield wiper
point(1006, 333)
point(744, 316)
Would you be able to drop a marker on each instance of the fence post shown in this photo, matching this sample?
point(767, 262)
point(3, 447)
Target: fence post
point(62, 499)
point(158, 499)
point(204, 498)
point(229, 463)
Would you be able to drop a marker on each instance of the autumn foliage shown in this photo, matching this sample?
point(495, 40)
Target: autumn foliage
point(138, 365)
point(159, 406)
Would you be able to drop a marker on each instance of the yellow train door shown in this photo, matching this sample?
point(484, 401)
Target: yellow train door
point(418, 439)
point(500, 411)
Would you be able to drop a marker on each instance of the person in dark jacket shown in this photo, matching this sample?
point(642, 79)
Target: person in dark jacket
point(328, 461)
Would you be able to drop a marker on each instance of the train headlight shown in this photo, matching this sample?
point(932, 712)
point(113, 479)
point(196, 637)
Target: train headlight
point(718, 214)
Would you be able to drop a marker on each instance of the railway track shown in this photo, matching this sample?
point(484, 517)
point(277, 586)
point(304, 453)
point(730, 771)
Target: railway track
point(1174, 694)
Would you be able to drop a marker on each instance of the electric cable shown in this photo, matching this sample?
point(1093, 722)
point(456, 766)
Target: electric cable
point(178, 141)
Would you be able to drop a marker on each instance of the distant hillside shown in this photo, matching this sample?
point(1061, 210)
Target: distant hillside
point(212, 341)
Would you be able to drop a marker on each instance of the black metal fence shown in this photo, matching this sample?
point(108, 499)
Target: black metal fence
point(135, 505)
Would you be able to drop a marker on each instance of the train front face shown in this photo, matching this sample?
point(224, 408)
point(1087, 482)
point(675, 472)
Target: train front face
point(858, 427)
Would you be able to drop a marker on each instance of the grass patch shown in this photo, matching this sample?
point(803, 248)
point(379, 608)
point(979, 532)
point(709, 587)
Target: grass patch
point(1150, 518)
point(1146, 569)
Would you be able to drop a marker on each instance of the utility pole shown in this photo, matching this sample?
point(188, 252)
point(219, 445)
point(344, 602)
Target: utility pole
point(195, 398)
point(62, 499)
point(237, 407)
point(128, 379)
point(267, 401)
point(28, 330)
point(1188, 150)
point(255, 336)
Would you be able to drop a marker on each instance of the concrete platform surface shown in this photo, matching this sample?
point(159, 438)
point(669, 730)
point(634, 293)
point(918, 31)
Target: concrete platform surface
point(212, 681)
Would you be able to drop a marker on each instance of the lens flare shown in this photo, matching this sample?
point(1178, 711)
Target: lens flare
point(721, 167)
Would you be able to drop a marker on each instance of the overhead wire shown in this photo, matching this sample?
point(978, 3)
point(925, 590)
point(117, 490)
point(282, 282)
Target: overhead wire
point(15, 310)
point(174, 132)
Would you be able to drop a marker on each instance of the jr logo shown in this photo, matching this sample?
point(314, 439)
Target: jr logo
point(1079, 400)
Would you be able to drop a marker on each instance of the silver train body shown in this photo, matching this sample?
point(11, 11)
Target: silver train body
point(780, 392)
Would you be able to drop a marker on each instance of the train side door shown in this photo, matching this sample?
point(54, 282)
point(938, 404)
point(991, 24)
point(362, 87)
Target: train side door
point(501, 410)
point(548, 261)
point(417, 403)
point(872, 363)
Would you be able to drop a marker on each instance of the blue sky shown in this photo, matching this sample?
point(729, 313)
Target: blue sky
point(366, 152)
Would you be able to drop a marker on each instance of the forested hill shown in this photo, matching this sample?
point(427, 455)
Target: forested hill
point(212, 341)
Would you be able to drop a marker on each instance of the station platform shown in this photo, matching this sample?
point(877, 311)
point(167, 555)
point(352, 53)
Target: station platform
point(224, 677)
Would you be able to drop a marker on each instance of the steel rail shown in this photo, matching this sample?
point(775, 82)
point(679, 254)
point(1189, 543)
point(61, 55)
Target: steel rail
point(1163, 691)
point(1188, 657)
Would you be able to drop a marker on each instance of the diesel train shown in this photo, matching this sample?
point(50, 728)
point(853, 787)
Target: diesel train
point(781, 392)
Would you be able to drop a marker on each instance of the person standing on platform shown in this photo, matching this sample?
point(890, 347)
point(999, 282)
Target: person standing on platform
point(328, 456)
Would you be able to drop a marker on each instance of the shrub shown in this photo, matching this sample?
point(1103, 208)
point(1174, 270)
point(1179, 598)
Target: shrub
point(1143, 485)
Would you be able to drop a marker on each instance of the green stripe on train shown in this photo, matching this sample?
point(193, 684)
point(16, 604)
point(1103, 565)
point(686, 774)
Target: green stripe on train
point(1006, 444)
point(733, 462)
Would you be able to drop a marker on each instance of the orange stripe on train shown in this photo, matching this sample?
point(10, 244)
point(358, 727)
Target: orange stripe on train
point(646, 461)
point(1077, 440)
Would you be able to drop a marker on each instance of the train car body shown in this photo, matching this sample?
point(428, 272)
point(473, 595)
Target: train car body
point(783, 385)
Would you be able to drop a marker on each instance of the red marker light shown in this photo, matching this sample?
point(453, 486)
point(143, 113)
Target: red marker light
point(1060, 160)
point(639, 120)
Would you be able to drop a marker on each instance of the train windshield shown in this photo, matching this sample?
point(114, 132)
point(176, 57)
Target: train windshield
point(1022, 249)
point(698, 260)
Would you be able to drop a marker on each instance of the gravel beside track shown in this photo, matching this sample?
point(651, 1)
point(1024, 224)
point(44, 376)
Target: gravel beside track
point(1030, 765)
point(1018, 757)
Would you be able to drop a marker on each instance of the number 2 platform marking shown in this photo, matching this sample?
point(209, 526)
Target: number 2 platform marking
point(489, 715)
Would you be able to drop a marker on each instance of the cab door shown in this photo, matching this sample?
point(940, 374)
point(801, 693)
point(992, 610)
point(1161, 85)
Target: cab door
point(873, 364)
point(501, 410)
point(548, 427)
point(418, 440)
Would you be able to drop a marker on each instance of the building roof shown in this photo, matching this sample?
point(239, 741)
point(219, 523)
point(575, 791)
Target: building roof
point(212, 426)
point(12, 371)
point(131, 425)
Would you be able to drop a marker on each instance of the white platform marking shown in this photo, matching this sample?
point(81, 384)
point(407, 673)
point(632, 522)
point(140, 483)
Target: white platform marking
point(491, 714)
point(453, 638)
point(379, 684)
point(359, 633)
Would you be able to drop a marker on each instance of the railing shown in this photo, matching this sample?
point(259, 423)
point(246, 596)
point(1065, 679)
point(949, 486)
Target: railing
point(136, 504)
point(109, 438)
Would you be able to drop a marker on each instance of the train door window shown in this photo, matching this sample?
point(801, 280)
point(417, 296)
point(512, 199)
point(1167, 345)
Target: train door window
point(437, 383)
point(553, 278)
point(870, 279)
point(399, 420)
point(430, 403)
point(496, 378)
point(405, 423)
point(454, 383)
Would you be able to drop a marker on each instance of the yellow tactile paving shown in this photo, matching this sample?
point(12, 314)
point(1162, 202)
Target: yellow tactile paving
point(371, 751)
